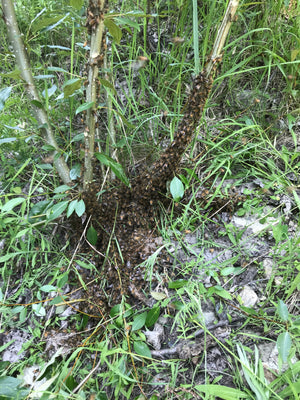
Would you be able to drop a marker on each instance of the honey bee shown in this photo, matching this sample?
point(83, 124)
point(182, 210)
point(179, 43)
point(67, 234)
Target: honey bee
point(139, 63)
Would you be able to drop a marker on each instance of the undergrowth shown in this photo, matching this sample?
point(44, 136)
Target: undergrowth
point(248, 141)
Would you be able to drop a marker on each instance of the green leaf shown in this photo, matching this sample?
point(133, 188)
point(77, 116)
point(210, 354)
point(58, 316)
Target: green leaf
point(107, 84)
point(75, 172)
point(61, 189)
point(77, 4)
point(71, 86)
point(37, 104)
point(38, 211)
point(284, 344)
point(4, 95)
point(177, 284)
point(8, 140)
point(39, 310)
point(71, 207)
point(176, 189)
point(218, 290)
point(283, 310)
point(41, 77)
point(223, 392)
point(142, 349)
point(9, 388)
point(139, 321)
point(158, 295)
point(48, 23)
point(84, 106)
point(128, 22)
point(9, 256)
point(92, 235)
point(11, 204)
point(152, 316)
point(80, 208)
point(50, 91)
point(124, 120)
point(115, 167)
point(57, 69)
point(113, 29)
point(48, 288)
point(78, 138)
point(58, 209)
point(16, 74)
point(230, 271)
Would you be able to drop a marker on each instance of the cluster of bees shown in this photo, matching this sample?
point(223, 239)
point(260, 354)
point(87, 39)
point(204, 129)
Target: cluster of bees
point(125, 216)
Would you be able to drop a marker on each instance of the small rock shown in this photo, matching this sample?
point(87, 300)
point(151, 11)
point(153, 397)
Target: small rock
point(155, 337)
point(268, 267)
point(248, 297)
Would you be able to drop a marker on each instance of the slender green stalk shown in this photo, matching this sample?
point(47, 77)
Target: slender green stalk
point(21, 55)
point(196, 37)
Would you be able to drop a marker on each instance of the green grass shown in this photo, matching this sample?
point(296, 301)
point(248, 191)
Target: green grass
point(254, 99)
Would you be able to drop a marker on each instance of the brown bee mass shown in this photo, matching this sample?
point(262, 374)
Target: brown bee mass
point(124, 217)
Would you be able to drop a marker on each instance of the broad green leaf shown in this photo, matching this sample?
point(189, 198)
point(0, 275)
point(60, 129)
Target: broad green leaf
point(61, 189)
point(177, 284)
point(218, 290)
point(77, 4)
point(92, 235)
point(41, 77)
point(152, 316)
point(230, 271)
point(283, 310)
point(113, 29)
point(22, 233)
point(11, 204)
point(4, 95)
point(10, 388)
point(107, 84)
point(48, 288)
point(57, 300)
point(16, 74)
point(9, 256)
point(38, 211)
point(78, 138)
point(75, 172)
point(8, 140)
point(71, 86)
point(50, 91)
point(176, 189)
point(71, 207)
point(142, 349)
point(48, 23)
point(58, 209)
point(115, 167)
point(84, 106)
point(85, 265)
point(284, 343)
point(57, 69)
point(39, 310)
point(37, 104)
point(80, 208)
point(223, 392)
point(158, 295)
point(128, 22)
point(139, 321)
